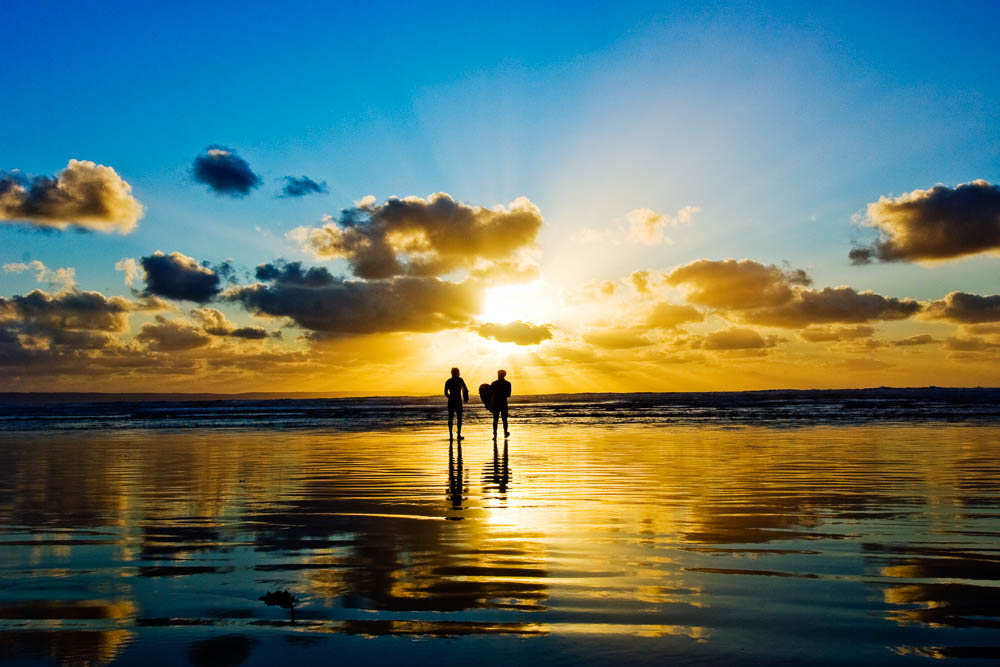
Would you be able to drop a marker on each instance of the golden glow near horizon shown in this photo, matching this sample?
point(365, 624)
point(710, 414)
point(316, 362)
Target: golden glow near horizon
point(466, 295)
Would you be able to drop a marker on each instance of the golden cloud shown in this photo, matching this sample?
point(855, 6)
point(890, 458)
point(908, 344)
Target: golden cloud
point(936, 224)
point(521, 333)
point(729, 284)
point(85, 195)
point(427, 237)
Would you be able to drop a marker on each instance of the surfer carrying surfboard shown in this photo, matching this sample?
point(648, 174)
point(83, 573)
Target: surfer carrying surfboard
point(457, 393)
point(500, 392)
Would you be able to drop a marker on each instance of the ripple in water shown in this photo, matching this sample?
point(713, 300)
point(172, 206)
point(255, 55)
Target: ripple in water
point(571, 543)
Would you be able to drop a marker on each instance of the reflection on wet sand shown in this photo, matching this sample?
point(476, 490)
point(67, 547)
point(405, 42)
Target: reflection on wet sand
point(707, 537)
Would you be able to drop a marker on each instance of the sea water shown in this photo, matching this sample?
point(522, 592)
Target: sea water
point(855, 529)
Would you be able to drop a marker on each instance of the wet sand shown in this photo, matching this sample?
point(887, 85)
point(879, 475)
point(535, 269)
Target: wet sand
point(573, 544)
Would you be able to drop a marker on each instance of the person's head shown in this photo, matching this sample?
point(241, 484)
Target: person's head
point(501, 374)
point(455, 373)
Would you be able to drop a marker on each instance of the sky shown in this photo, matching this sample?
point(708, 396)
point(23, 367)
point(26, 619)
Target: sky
point(628, 197)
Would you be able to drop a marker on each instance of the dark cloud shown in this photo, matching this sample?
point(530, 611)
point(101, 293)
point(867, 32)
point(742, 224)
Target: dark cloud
point(318, 301)
point(215, 323)
point(44, 334)
point(171, 336)
point(736, 285)
point(70, 310)
point(224, 172)
point(300, 187)
point(427, 237)
point(176, 276)
point(984, 329)
point(921, 339)
point(966, 308)
point(832, 305)
point(973, 344)
point(84, 195)
point(936, 224)
point(291, 273)
point(522, 333)
point(814, 334)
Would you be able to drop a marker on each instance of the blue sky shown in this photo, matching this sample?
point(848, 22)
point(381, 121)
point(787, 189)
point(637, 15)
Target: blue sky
point(779, 121)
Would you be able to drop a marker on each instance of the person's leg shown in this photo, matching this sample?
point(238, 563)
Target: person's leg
point(458, 420)
point(496, 416)
point(506, 431)
point(451, 417)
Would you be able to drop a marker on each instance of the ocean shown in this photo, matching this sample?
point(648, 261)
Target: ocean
point(820, 527)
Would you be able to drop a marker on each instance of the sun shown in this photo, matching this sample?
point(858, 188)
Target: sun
point(528, 302)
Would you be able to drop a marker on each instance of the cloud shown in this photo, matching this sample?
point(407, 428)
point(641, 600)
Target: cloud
point(72, 310)
point(965, 308)
point(177, 276)
point(669, 316)
point(522, 333)
point(84, 195)
point(736, 285)
point(318, 301)
point(734, 339)
point(171, 336)
point(987, 329)
point(973, 344)
point(815, 334)
point(215, 323)
point(300, 187)
point(130, 268)
point(936, 224)
point(425, 237)
point(640, 225)
point(832, 305)
point(617, 338)
point(864, 365)
point(921, 339)
point(224, 172)
point(645, 281)
point(648, 227)
point(64, 278)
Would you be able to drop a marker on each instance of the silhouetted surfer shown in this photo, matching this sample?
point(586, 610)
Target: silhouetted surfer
point(457, 394)
point(500, 390)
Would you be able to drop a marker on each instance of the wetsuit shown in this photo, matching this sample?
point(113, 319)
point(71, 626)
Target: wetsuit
point(457, 394)
point(501, 392)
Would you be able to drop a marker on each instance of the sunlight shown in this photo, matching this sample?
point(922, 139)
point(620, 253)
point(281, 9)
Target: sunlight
point(526, 302)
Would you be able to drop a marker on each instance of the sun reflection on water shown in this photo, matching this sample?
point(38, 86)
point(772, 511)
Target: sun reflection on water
point(679, 534)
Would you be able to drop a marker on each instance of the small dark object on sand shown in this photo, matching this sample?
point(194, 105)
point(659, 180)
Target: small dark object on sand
point(284, 599)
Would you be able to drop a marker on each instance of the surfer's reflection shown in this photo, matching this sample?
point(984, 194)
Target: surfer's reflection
point(497, 477)
point(455, 474)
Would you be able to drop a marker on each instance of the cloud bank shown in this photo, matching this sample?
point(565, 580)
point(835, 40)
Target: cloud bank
point(766, 295)
point(316, 300)
point(84, 195)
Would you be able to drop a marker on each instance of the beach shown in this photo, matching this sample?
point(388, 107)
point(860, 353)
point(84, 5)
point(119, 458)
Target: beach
point(574, 543)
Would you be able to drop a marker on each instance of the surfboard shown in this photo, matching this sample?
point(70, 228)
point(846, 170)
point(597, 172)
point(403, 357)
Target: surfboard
point(486, 394)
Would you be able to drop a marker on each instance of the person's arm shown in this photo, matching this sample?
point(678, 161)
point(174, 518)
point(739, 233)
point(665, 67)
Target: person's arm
point(508, 389)
point(465, 392)
point(446, 389)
